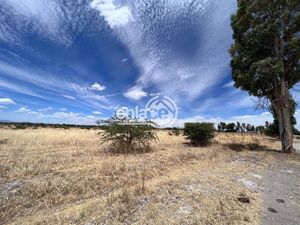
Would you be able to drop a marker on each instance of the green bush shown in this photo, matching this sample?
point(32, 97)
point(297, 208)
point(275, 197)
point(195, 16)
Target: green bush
point(128, 136)
point(199, 133)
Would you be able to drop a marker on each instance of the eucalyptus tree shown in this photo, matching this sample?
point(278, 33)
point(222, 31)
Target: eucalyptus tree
point(266, 55)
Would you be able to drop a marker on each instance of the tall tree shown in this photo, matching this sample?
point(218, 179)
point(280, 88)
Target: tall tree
point(266, 55)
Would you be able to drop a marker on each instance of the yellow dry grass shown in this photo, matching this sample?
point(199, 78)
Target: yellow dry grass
point(57, 176)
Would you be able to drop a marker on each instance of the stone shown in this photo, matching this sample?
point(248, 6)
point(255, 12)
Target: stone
point(270, 209)
point(243, 198)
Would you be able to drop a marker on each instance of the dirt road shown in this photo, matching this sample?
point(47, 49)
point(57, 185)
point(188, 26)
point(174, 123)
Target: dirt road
point(281, 196)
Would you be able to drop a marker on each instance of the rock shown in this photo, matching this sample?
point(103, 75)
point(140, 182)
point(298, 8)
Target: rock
point(249, 184)
point(243, 198)
point(185, 210)
point(256, 176)
point(272, 210)
point(280, 200)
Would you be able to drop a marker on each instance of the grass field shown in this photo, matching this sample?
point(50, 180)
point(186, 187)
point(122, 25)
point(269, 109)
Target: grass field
point(57, 176)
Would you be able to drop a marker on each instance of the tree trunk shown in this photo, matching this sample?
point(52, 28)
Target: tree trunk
point(282, 107)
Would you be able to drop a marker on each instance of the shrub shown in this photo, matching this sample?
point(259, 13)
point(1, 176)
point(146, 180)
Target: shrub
point(20, 127)
point(174, 131)
point(127, 136)
point(199, 133)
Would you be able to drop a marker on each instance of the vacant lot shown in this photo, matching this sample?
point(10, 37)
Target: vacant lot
point(56, 176)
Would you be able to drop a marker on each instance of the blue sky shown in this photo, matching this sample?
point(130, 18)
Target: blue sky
point(64, 61)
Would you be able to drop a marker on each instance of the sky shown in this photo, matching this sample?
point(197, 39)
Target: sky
point(77, 61)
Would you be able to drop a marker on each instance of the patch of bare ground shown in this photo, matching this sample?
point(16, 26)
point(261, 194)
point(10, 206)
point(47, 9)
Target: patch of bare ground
point(67, 177)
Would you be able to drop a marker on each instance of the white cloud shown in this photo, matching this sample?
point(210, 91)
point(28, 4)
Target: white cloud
point(32, 75)
point(63, 109)
point(49, 19)
point(23, 110)
point(64, 115)
point(97, 87)
point(97, 113)
point(56, 84)
point(69, 97)
point(17, 88)
point(43, 15)
point(114, 15)
point(161, 30)
point(45, 109)
point(135, 93)
point(2, 107)
point(229, 84)
point(6, 101)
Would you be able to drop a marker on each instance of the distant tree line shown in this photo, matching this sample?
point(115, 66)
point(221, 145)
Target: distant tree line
point(270, 129)
point(238, 127)
point(24, 125)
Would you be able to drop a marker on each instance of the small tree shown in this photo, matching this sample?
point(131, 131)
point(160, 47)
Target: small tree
point(260, 129)
point(272, 130)
point(199, 133)
point(230, 127)
point(128, 136)
point(223, 126)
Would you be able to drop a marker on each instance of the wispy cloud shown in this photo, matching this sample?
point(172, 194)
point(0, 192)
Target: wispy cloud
point(6, 101)
point(55, 83)
point(45, 109)
point(229, 84)
point(44, 17)
point(36, 76)
point(159, 38)
point(97, 113)
point(135, 93)
point(50, 19)
point(17, 88)
point(23, 110)
point(58, 116)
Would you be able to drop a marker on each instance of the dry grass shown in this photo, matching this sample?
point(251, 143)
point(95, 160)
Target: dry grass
point(56, 176)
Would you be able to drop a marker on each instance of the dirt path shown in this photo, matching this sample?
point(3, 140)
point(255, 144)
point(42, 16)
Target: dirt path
point(297, 146)
point(282, 194)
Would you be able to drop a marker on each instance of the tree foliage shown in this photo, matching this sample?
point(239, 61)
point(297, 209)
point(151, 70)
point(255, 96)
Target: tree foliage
point(259, 25)
point(127, 136)
point(199, 133)
point(266, 55)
